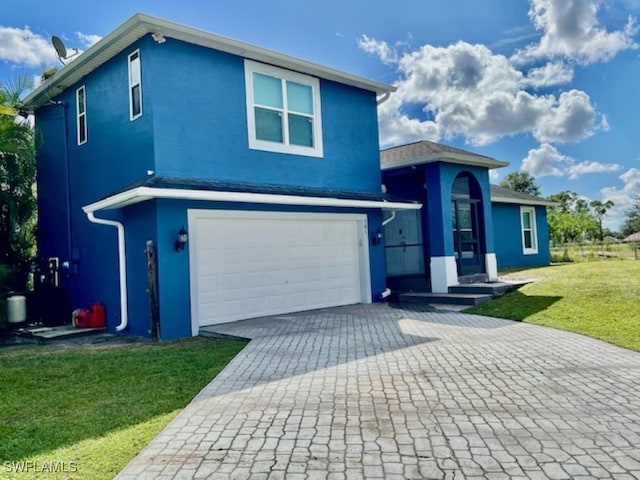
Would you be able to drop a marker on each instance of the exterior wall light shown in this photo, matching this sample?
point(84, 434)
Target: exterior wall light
point(182, 240)
point(377, 238)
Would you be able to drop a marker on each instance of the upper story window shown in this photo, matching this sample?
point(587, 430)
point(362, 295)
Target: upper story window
point(81, 115)
point(529, 234)
point(283, 110)
point(135, 86)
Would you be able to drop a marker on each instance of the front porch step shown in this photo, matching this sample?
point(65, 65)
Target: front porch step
point(445, 298)
point(495, 289)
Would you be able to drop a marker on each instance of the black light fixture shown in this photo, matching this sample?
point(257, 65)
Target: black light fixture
point(181, 241)
point(377, 238)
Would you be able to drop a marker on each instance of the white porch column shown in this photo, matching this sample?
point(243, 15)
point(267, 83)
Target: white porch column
point(491, 264)
point(444, 273)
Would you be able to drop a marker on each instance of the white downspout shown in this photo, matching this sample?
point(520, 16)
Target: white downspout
point(387, 291)
point(390, 219)
point(122, 265)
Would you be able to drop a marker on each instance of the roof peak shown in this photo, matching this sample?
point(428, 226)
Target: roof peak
point(426, 151)
point(141, 24)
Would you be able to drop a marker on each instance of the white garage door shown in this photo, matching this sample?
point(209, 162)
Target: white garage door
point(252, 264)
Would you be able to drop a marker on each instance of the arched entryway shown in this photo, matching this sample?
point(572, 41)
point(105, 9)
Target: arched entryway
point(468, 225)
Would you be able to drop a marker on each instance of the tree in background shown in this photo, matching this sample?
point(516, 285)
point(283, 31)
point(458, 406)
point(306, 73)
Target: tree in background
point(600, 209)
point(571, 220)
point(17, 180)
point(632, 222)
point(521, 182)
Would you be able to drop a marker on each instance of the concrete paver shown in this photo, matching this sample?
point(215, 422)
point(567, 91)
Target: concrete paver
point(373, 391)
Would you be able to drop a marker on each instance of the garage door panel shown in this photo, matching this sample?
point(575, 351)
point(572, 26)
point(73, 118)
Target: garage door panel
point(248, 267)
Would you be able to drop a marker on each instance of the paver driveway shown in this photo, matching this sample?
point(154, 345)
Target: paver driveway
point(373, 391)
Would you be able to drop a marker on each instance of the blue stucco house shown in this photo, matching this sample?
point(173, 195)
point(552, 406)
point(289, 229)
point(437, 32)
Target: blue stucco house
point(255, 175)
point(521, 228)
point(467, 228)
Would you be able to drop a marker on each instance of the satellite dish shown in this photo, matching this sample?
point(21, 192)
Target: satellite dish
point(61, 50)
point(58, 44)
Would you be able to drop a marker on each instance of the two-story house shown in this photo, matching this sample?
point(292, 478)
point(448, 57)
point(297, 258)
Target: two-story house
point(255, 175)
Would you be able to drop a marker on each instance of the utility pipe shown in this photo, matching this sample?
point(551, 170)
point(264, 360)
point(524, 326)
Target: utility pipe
point(122, 265)
point(386, 221)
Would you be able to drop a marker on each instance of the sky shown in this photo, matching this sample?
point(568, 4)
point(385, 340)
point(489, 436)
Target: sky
point(547, 85)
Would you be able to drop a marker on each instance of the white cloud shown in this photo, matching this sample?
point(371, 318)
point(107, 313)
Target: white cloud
point(546, 161)
point(88, 39)
point(572, 118)
point(571, 29)
point(623, 197)
point(23, 47)
point(467, 90)
point(381, 50)
point(553, 73)
point(575, 171)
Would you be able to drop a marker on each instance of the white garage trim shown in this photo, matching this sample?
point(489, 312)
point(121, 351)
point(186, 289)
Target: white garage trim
point(142, 194)
point(197, 215)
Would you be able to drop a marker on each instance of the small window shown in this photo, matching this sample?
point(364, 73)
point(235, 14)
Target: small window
point(283, 110)
point(529, 234)
point(81, 110)
point(135, 88)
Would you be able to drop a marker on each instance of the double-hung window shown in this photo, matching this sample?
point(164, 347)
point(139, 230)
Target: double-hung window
point(81, 115)
point(135, 86)
point(529, 234)
point(283, 110)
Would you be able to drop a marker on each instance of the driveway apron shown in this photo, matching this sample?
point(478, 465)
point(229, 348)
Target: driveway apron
point(374, 391)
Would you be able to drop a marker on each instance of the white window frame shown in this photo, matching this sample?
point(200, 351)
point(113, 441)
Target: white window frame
point(534, 231)
point(251, 67)
point(134, 82)
point(81, 115)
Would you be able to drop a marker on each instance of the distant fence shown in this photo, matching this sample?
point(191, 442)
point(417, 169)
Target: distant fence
point(584, 252)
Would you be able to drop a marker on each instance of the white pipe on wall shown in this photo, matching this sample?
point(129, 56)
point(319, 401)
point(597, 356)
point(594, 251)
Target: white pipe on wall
point(122, 265)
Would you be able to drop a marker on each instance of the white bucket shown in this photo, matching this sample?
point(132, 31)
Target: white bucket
point(17, 309)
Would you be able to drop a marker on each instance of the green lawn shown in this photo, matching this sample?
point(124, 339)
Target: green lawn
point(93, 409)
point(599, 299)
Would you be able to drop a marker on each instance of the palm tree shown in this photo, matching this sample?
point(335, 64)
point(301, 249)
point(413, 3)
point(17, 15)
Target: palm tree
point(17, 179)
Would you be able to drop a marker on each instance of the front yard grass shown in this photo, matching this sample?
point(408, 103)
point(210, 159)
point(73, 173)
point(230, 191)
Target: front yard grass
point(91, 409)
point(599, 299)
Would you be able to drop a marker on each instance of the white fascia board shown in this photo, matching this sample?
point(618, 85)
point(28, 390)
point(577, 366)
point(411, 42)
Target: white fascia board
point(458, 158)
point(140, 25)
point(141, 194)
point(517, 201)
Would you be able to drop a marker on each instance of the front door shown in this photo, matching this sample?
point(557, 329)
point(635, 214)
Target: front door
point(466, 236)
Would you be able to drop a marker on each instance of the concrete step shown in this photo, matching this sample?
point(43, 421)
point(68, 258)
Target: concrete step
point(445, 298)
point(496, 289)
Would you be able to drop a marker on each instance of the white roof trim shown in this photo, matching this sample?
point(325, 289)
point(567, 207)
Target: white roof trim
point(518, 201)
point(458, 158)
point(141, 194)
point(140, 25)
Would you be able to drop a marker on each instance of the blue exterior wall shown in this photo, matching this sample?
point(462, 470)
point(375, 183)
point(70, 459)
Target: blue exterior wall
point(141, 223)
point(117, 153)
point(200, 125)
point(509, 252)
point(193, 125)
point(440, 177)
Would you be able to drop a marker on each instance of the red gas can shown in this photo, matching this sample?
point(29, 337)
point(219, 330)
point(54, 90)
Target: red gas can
point(92, 317)
point(96, 315)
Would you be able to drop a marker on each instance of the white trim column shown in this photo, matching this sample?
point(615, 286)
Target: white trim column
point(491, 264)
point(444, 273)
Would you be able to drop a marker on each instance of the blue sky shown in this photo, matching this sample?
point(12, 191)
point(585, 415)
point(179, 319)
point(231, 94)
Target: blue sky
point(548, 85)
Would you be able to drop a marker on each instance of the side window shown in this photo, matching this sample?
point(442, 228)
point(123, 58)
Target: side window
point(529, 234)
point(283, 110)
point(81, 115)
point(135, 86)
